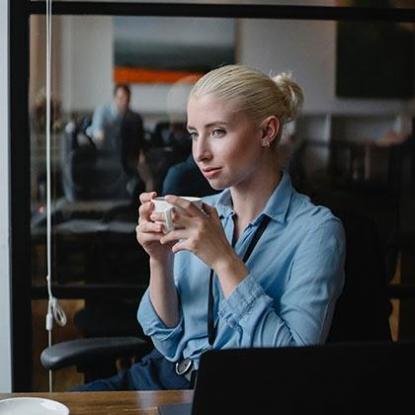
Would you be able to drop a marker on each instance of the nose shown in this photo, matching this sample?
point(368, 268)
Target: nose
point(201, 150)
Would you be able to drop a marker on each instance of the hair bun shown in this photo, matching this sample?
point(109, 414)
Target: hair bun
point(293, 97)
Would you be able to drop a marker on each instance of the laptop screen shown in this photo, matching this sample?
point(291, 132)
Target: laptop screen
point(326, 379)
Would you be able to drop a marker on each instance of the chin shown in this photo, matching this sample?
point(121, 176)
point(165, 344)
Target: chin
point(217, 185)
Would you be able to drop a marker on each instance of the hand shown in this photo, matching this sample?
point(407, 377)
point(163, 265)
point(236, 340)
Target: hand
point(98, 138)
point(198, 231)
point(148, 232)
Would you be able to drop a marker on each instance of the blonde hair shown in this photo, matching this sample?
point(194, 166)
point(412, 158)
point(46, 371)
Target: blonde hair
point(253, 92)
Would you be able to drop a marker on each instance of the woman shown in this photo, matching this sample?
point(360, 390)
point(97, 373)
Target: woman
point(204, 293)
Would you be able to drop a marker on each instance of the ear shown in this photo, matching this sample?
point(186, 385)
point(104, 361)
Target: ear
point(270, 127)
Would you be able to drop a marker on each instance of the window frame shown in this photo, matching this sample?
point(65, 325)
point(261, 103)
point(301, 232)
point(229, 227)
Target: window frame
point(19, 21)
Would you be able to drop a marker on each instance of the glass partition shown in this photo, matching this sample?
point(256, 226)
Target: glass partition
point(353, 132)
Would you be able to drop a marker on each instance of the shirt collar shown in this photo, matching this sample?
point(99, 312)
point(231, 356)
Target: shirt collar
point(224, 204)
point(276, 207)
point(279, 202)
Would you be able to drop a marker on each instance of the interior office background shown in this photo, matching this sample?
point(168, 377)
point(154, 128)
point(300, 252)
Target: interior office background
point(83, 64)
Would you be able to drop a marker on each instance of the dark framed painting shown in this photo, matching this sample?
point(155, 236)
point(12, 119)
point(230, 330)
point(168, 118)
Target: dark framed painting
point(374, 59)
point(167, 49)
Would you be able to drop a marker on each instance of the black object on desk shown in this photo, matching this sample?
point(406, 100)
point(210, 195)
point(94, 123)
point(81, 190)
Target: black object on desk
point(353, 378)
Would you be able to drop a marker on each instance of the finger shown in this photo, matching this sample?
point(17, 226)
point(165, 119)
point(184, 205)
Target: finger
point(181, 220)
point(190, 208)
point(148, 238)
point(144, 211)
point(211, 211)
point(157, 217)
point(208, 209)
point(144, 238)
point(146, 197)
point(179, 246)
point(146, 227)
point(174, 235)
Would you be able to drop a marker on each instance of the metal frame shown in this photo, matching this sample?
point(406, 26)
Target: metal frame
point(5, 260)
point(20, 12)
point(20, 196)
point(248, 11)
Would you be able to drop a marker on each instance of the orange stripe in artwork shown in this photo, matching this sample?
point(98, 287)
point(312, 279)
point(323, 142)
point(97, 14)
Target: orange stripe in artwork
point(140, 75)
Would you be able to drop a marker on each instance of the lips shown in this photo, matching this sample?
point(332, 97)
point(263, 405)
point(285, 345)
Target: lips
point(210, 172)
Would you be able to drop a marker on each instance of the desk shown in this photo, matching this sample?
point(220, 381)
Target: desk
point(112, 403)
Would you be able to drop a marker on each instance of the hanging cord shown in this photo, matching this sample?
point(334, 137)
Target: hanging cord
point(55, 312)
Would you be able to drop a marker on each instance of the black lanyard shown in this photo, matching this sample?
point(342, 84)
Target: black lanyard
point(254, 240)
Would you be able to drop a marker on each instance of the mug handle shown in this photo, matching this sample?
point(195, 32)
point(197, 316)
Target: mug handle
point(168, 220)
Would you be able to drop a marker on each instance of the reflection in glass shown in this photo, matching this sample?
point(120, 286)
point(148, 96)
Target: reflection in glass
point(344, 147)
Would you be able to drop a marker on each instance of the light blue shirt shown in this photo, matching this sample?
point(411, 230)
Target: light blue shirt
point(108, 120)
point(296, 273)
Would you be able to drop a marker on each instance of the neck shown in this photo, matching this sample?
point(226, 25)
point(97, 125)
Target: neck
point(250, 198)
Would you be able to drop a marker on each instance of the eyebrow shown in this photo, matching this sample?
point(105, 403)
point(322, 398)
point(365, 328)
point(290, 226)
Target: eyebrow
point(211, 124)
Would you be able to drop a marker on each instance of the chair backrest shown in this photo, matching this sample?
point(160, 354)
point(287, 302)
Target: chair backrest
point(363, 309)
point(89, 173)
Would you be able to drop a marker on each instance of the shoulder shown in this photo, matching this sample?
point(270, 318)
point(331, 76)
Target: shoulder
point(103, 110)
point(134, 115)
point(177, 170)
point(185, 166)
point(313, 218)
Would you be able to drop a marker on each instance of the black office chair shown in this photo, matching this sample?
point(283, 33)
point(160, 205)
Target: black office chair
point(169, 144)
point(89, 173)
point(100, 248)
point(363, 309)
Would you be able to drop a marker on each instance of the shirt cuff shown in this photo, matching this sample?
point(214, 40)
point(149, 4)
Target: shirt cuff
point(152, 324)
point(241, 301)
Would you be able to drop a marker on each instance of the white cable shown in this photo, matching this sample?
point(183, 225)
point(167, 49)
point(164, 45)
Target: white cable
point(55, 312)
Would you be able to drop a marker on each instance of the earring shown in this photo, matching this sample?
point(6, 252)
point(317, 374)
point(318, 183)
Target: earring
point(267, 144)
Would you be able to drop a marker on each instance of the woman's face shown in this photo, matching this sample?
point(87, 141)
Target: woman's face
point(226, 143)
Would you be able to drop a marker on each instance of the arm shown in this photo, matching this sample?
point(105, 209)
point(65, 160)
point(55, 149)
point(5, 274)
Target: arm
point(158, 312)
point(163, 293)
point(311, 282)
point(303, 313)
point(97, 127)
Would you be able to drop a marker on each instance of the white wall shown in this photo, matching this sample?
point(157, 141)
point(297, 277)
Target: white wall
point(87, 60)
point(5, 322)
point(307, 48)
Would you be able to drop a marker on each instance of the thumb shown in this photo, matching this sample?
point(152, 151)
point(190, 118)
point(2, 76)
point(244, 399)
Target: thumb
point(211, 211)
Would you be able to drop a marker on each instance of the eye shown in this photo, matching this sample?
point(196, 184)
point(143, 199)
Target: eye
point(218, 132)
point(193, 135)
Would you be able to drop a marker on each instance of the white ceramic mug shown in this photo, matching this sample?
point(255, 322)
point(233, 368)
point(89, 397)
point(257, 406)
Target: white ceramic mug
point(162, 206)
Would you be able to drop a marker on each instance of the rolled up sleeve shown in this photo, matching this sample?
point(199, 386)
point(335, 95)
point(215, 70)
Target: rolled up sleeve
point(165, 339)
point(303, 313)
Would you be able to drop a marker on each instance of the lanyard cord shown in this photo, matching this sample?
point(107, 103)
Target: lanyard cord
point(55, 312)
point(252, 244)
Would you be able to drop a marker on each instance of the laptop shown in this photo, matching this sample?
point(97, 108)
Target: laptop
point(352, 378)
